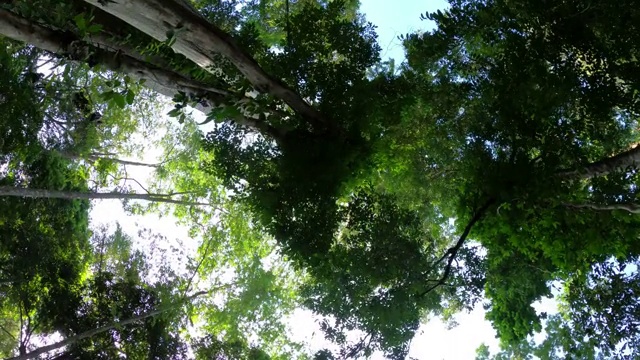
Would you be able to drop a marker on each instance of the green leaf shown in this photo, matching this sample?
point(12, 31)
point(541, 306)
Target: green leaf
point(81, 22)
point(119, 100)
point(107, 95)
point(174, 112)
point(94, 28)
point(130, 97)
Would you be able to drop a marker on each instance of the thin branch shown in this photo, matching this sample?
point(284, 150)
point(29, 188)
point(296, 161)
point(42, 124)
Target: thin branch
point(76, 195)
point(21, 345)
point(92, 332)
point(31, 329)
point(450, 255)
point(105, 154)
point(167, 157)
point(630, 207)
point(49, 60)
point(126, 178)
point(93, 157)
point(122, 161)
point(204, 256)
point(8, 333)
point(182, 193)
point(360, 346)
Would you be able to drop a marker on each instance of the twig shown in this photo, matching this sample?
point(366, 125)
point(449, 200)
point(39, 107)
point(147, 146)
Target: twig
point(204, 256)
point(8, 333)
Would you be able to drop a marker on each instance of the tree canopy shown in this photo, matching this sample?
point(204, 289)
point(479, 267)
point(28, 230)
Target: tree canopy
point(497, 162)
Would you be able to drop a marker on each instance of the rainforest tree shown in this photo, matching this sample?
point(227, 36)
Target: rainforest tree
point(513, 124)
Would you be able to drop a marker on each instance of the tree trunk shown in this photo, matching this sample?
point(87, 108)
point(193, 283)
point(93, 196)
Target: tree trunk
point(198, 39)
point(76, 195)
point(92, 332)
point(164, 81)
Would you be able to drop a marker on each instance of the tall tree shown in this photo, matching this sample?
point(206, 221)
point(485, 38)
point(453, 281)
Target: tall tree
point(516, 119)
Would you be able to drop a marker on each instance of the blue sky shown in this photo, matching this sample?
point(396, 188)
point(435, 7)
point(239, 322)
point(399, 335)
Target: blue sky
point(397, 17)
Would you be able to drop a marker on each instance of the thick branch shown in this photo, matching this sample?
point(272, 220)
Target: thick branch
point(92, 332)
point(164, 81)
point(632, 208)
point(114, 57)
point(622, 161)
point(76, 195)
point(198, 40)
point(452, 252)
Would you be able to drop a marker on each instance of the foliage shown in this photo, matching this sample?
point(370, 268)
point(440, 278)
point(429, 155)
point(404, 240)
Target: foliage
point(510, 125)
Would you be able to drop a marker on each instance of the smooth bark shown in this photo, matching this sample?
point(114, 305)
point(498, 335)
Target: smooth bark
point(125, 60)
point(622, 161)
point(161, 80)
point(76, 195)
point(629, 207)
point(198, 39)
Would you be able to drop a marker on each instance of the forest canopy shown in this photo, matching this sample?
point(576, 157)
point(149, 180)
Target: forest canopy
point(496, 166)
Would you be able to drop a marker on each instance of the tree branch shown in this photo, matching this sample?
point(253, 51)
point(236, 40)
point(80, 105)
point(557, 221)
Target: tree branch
point(92, 332)
point(76, 195)
point(8, 333)
point(199, 39)
point(452, 252)
point(107, 157)
point(630, 207)
point(622, 161)
point(204, 256)
point(102, 50)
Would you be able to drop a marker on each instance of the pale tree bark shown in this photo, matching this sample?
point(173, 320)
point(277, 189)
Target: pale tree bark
point(123, 60)
point(76, 195)
point(198, 40)
point(161, 80)
point(93, 157)
point(87, 334)
point(622, 161)
point(122, 161)
point(629, 207)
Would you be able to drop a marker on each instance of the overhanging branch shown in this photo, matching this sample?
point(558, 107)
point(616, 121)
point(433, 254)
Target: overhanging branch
point(622, 161)
point(198, 40)
point(629, 207)
point(162, 80)
point(77, 195)
point(452, 252)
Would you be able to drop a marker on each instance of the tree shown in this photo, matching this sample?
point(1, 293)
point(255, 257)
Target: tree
point(87, 311)
point(543, 122)
point(211, 348)
point(515, 119)
point(115, 310)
